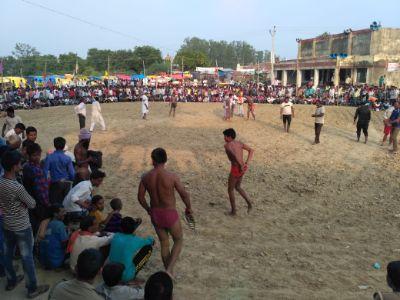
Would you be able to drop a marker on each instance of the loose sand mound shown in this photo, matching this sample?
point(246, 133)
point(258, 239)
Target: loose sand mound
point(323, 214)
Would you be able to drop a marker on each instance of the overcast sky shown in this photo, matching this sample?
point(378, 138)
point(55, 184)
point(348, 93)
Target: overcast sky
point(165, 24)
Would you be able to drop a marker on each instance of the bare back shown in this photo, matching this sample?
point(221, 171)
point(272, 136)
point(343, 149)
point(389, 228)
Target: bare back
point(234, 151)
point(161, 187)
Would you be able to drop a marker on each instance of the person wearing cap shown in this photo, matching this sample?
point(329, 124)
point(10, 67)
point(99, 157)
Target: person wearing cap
point(145, 105)
point(129, 249)
point(81, 155)
point(319, 117)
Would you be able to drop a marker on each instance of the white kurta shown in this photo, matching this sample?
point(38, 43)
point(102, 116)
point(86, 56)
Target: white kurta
point(97, 118)
point(145, 105)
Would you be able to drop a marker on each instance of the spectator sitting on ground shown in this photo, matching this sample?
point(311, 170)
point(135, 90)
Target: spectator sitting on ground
point(88, 266)
point(393, 281)
point(112, 289)
point(77, 201)
point(97, 208)
point(53, 239)
point(129, 249)
point(114, 224)
point(87, 238)
point(159, 286)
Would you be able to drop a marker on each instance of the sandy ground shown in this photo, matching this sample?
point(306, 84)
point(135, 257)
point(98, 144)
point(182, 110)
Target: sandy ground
point(323, 214)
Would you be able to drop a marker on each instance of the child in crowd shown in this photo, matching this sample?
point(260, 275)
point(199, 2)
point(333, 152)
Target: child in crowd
point(112, 289)
point(114, 224)
point(54, 241)
point(10, 121)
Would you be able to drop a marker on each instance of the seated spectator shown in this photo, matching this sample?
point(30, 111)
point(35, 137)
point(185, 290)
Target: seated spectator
point(114, 224)
point(77, 201)
point(36, 184)
point(61, 170)
point(17, 130)
point(87, 267)
point(87, 238)
point(14, 204)
point(159, 286)
point(52, 246)
point(112, 289)
point(393, 281)
point(129, 249)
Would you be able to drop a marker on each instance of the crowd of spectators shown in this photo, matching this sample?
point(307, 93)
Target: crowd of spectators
point(352, 95)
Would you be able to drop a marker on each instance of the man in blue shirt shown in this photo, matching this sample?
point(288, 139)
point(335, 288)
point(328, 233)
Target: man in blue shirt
point(61, 170)
point(52, 247)
point(130, 250)
point(395, 121)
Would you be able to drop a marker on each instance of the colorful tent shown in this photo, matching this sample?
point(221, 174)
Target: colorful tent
point(137, 77)
point(123, 76)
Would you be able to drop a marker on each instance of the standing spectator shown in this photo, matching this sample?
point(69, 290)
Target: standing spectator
point(88, 266)
point(96, 116)
point(62, 172)
point(363, 114)
point(80, 110)
point(387, 130)
point(31, 134)
point(395, 122)
point(319, 117)
point(37, 185)
point(145, 105)
point(17, 130)
point(10, 121)
point(14, 204)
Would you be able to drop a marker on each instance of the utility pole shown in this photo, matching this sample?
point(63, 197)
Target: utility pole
point(108, 65)
point(171, 60)
point(258, 73)
point(182, 66)
point(272, 32)
point(144, 68)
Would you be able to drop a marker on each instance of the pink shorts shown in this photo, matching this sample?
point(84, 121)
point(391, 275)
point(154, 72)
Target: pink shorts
point(164, 217)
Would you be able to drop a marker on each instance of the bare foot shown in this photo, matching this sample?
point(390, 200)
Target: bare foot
point(232, 213)
point(249, 208)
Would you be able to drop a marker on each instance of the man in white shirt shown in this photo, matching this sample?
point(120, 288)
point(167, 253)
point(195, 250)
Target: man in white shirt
point(80, 110)
point(19, 129)
point(96, 116)
point(287, 112)
point(79, 197)
point(145, 105)
point(319, 117)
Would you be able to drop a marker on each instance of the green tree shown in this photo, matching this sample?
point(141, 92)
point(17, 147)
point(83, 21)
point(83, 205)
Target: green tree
point(191, 59)
point(155, 68)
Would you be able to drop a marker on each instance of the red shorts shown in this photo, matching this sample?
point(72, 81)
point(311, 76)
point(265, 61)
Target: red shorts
point(387, 130)
point(164, 217)
point(235, 171)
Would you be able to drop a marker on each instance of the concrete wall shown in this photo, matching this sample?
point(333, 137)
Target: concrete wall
point(385, 41)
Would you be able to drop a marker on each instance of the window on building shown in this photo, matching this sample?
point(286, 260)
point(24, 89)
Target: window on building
point(362, 75)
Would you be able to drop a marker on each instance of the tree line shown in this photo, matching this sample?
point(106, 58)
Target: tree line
point(194, 52)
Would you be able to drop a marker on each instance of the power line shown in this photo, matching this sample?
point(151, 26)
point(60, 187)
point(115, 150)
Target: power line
point(91, 23)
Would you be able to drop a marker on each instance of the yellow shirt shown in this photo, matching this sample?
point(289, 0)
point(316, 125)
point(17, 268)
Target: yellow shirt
point(98, 215)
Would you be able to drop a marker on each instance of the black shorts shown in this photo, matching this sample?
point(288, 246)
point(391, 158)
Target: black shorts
point(287, 118)
point(173, 105)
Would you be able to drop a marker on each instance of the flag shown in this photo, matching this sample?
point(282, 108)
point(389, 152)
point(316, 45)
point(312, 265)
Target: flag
point(106, 74)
